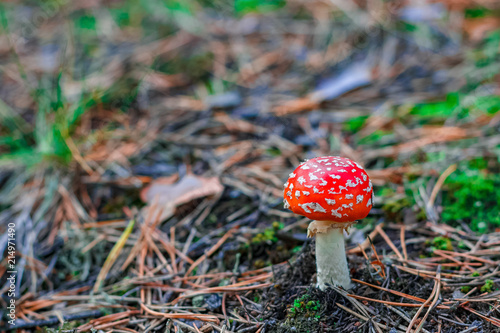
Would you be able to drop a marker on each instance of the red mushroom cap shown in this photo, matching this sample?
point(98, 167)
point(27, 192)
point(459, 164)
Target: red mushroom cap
point(329, 188)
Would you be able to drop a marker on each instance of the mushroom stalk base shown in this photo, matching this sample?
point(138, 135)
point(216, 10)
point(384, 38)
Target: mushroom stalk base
point(331, 262)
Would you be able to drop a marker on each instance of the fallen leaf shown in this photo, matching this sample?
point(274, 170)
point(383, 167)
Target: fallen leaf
point(166, 191)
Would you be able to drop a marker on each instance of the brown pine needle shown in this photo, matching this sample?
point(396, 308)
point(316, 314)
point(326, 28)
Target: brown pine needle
point(425, 273)
point(466, 255)
point(377, 262)
point(366, 242)
point(440, 183)
point(494, 321)
point(403, 243)
point(430, 302)
point(107, 319)
point(449, 257)
point(211, 251)
point(189, 316)
point(414, 298)
point(388, 241)
point(409, 305)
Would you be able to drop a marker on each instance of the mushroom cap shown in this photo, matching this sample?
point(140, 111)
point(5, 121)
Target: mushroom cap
point(330, 189)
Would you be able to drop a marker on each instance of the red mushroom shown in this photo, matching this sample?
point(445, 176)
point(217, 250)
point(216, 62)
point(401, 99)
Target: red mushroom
point(334, 192)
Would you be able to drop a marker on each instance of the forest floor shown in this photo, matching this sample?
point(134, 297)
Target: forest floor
point(144, 146)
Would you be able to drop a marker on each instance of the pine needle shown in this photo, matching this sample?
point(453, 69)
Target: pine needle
point(113, 255)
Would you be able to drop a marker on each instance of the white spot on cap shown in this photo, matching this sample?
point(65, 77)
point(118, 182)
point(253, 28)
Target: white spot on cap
point(323, 182)
point(291, 186)
point(349, 183)
point(316, 207)
point(301, 180)
point(315, 190)
point(323, 160)
point(289, 194)
point(305, 167)
point(312, 176)
point(308, 186)
point(342, 170)
point(335, 176)
point(359, 166)
point(332, 191)
point(306, 193)
point(369, 188)
point(292, 175)
point(354, 170)
point(369, 202)
point(359, 199)
point(348, 206)
point(297, 194)
point(364, 177)
point(349, 196)
point(336, 213)
point(286, 185)
point(330, 201)
point(287, 205)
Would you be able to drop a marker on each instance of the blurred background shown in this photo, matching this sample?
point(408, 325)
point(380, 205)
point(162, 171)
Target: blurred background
point(190, 115)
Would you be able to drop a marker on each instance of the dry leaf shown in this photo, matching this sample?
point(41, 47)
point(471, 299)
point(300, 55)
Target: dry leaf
point(168, 192)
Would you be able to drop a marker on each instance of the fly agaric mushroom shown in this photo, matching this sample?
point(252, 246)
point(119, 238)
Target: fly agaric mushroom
point(334, 192)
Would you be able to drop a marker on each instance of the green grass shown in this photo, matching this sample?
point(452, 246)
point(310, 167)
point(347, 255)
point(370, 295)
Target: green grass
point(45, 141)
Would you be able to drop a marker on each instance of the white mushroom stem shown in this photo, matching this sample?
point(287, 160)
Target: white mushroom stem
point(331, 262)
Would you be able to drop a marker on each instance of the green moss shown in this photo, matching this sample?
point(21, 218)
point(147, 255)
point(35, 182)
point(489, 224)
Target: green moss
point(260, 263)
point(488, 286)
point(478, 12)
point(472, 196)
point(457, 105)
point(375, 137)
point(475, 274)
point(304, 307)
point(269, 234)
point(442, 243)
point(465, 289)
point(394, 206)
point(438, 109)
point(257, 6)
point(355, 124)
point(462, 245)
